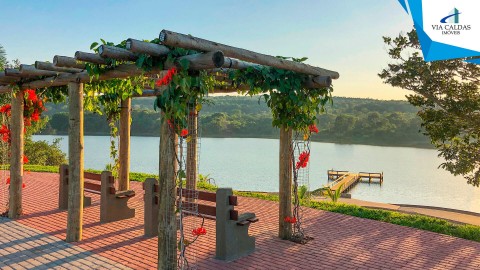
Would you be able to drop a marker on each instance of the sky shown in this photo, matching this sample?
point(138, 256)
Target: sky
point(340, 35)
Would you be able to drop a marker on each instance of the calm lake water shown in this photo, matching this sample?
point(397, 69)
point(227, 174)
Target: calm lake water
point(410, 174)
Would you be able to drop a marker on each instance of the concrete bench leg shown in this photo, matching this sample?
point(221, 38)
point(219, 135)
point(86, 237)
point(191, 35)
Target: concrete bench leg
point(151, 208)
point(111, 207)
point(63, 190)
point(232, 241)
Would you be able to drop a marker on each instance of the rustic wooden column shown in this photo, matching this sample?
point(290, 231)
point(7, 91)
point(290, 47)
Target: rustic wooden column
point(167, 225)
point(16, 159)
point(192, 151)
point(124, 151)
point(285, 181)
point(75, 163)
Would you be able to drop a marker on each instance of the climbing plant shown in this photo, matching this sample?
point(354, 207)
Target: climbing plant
point(293, 107)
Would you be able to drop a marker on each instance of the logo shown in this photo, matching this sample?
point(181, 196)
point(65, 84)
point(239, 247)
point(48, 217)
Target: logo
point(452, 18)
point(450, 24)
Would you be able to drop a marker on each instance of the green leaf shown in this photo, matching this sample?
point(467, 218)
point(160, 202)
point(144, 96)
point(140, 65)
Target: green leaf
point(94, 45)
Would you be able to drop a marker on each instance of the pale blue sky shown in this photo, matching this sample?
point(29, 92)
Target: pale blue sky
point(341, 35)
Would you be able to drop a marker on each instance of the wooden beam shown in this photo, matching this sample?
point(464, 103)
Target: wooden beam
point(15, 208)
point(106, 51)
point(90, 57)
point(318, 82)
point(285, 183)
point(189, 42)
point(237, 64)
point(75, 163)
point(152, 49)
point(12, 72)
point(167, 226)
point(7, 79)
point(197, 61)
point(49, 66)
point(68, 62)
point(31, 71)
point(201, 61)
point(124, 151)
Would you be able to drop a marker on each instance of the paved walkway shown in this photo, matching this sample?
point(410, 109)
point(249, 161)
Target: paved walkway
point(340, 242)
point(22, 247)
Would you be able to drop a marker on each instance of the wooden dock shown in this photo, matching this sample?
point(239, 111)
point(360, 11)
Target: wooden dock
point(346, 180)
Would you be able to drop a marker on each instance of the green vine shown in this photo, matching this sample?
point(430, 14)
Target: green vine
point(293, 105)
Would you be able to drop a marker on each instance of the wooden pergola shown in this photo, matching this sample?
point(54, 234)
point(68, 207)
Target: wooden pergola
point(71, 71)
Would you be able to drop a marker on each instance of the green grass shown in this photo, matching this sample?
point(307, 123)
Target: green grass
point(437, 225)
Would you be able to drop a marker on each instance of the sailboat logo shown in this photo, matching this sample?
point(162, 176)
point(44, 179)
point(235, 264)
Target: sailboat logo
point(453, 17)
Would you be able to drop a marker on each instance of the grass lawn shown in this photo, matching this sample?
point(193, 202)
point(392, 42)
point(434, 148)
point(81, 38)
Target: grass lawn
point(437, 225)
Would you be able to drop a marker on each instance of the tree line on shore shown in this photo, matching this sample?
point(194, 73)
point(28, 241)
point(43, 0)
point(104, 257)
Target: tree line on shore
point(347, 120)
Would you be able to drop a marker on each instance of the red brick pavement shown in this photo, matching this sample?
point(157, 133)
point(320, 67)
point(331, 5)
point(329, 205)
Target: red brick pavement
point(340, 242)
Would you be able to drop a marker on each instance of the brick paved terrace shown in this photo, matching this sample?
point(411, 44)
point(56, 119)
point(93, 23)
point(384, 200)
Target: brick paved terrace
point(340, 242)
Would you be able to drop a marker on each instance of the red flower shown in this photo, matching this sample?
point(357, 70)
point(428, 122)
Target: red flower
point(4, 129)
point(25, 159)
point(5, 137)
point(184, 132)
point(199, 231)
point(31, 95)
point(313, 128)
point(290, 219)
point(35, 116)
point(303, 160)
point(167, 78)
point(23, 185)
point(6, 108)
point(27, 122)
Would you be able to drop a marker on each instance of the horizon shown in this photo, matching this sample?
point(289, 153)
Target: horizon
point(357, 53)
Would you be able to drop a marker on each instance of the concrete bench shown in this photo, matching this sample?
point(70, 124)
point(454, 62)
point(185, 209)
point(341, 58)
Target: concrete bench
point(232, 239)
point(113, 204)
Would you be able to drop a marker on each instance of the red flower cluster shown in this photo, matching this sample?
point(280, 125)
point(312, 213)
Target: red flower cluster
point(183, 132)
point(313, 128)
point(25, 159)
point(8, 183)
point(303, 160)
point(199, 231)
point(5, 133)
point(167, 78)
point(290, 220)
point(6, 109)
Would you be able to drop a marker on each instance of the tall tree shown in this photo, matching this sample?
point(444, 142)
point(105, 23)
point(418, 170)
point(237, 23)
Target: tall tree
point(447, 94)
point(3, 58)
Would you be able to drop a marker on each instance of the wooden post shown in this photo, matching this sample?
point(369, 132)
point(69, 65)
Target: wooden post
point(167, 226)
point(192, 151)
point(16, 160)
point(75, 163)
point(124, 151)
point(285, 181)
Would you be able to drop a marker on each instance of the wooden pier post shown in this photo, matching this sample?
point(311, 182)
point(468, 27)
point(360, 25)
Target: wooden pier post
point(124, 151)
point(167, 225)
point(75, 163)
point(16, 159)
point(285, 183)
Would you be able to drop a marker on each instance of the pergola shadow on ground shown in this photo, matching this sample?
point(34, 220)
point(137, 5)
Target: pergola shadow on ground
point(340, 241)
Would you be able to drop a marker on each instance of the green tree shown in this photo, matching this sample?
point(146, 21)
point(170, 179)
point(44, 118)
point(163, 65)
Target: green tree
point(3, 58)
point(447, 94)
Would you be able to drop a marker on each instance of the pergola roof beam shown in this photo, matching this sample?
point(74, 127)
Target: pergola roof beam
point(68, 62)
point(152, 49)
point(49, 66)
point(189, 42)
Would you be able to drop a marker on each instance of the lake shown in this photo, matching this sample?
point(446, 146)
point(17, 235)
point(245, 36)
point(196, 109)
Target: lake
point(411, 175)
